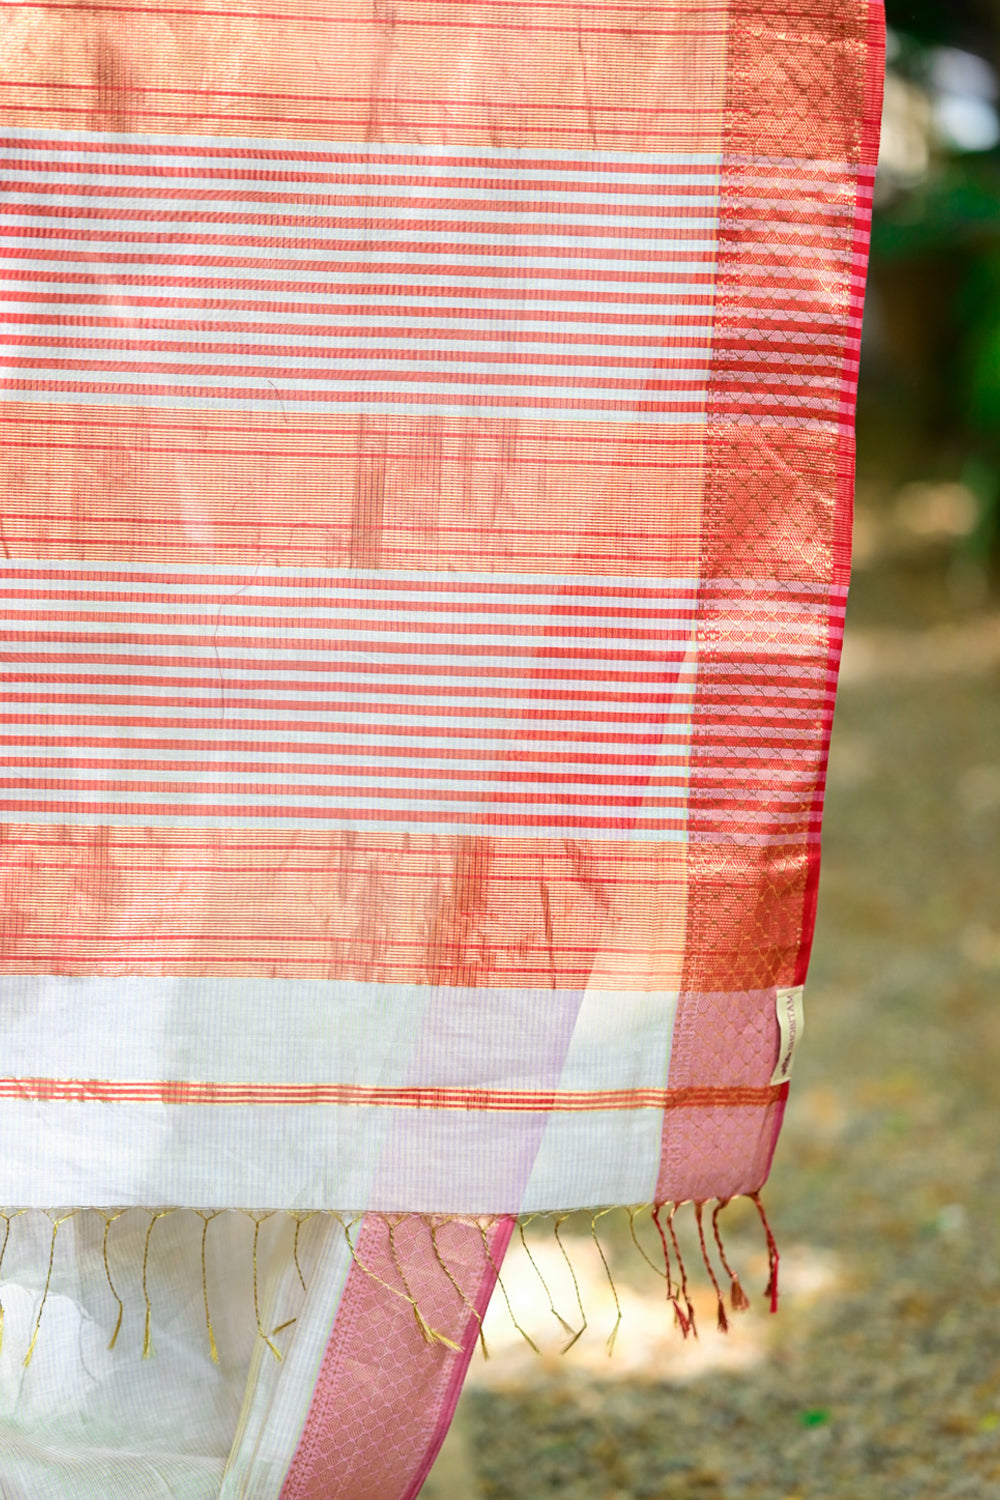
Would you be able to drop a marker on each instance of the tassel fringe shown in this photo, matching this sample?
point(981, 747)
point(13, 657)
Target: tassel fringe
point(667, 1263)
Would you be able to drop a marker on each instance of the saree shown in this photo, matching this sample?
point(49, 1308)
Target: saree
point(427, 479)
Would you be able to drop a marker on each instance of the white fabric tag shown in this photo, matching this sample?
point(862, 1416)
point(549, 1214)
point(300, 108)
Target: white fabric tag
point(791, 1020)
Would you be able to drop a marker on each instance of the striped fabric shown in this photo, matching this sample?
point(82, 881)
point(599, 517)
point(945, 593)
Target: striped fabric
point(427, 444)
point(568, 286)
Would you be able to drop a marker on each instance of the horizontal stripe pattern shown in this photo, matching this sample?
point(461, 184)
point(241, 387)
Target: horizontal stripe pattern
point(365, 234)
point(439, 282)
point(493, 703)
point(345, 699)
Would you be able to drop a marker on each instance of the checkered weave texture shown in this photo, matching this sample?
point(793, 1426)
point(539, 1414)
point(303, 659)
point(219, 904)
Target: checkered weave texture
point(427, 472)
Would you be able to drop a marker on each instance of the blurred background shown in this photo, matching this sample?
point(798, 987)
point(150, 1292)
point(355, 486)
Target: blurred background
point(881, 1379)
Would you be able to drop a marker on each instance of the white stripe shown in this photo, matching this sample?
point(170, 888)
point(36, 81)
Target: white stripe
point(366, 280)
point(392, 1035)
point(206, 602)
point(353, 578)
point(592, 674)
point(457, 605)
point(118, 1027)
point(756, 168)
point(735, 597)
point(649, 765)
point(368, 255)
point(72, 316)
point(353, 715)
point(158, 178)
point(579, 828)
point(648, 418)
point(214, 212)
point(652, 770)
point(226, 699)
point(212, 217)
point(662, 741)
point(534, 656)
point(281, 148)
point(253, 790)
point(278, 173)
point(104, 231)
point(198, 294)
point(482, 391)
point(30, 356)
point(125, 367)
point(286, 604)
point(802, 324)
point(224, 689)
point(207, 802)
point(293, 630)
point(85, 341)
point(369, 275)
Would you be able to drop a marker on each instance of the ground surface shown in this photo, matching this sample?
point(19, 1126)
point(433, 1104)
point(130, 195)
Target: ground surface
point(880, 1378)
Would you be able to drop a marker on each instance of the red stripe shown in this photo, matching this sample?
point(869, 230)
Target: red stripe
point(81, 1090)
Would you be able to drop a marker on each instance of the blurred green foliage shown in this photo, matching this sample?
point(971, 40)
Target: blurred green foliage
point(930, 392)
point(974, 24)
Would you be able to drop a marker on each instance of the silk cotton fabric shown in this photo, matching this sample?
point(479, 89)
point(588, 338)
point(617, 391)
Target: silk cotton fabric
point(427, 458)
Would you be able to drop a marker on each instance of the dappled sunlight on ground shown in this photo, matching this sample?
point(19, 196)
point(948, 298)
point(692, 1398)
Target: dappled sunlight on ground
point(880, 1377)
point(649, 1345)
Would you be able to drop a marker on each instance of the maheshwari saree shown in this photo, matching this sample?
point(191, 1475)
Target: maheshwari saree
point(427, 477)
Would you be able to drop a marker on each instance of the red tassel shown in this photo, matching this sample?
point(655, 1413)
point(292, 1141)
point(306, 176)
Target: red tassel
point(773, 1257)
point(722, 1320)
point(680, 1262)
point(737, 1296)
point(682, 1322)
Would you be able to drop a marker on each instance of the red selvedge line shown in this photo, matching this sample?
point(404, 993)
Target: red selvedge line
point(85, 1090)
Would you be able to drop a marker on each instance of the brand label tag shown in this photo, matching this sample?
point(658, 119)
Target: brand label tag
point(791, 1020)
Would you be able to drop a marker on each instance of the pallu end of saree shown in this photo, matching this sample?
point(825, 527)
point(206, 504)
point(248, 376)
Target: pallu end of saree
point(427, 478)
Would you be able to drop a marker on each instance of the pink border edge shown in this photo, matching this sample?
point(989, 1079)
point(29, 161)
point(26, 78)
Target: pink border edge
point(460, 1365)
point(843, 520)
